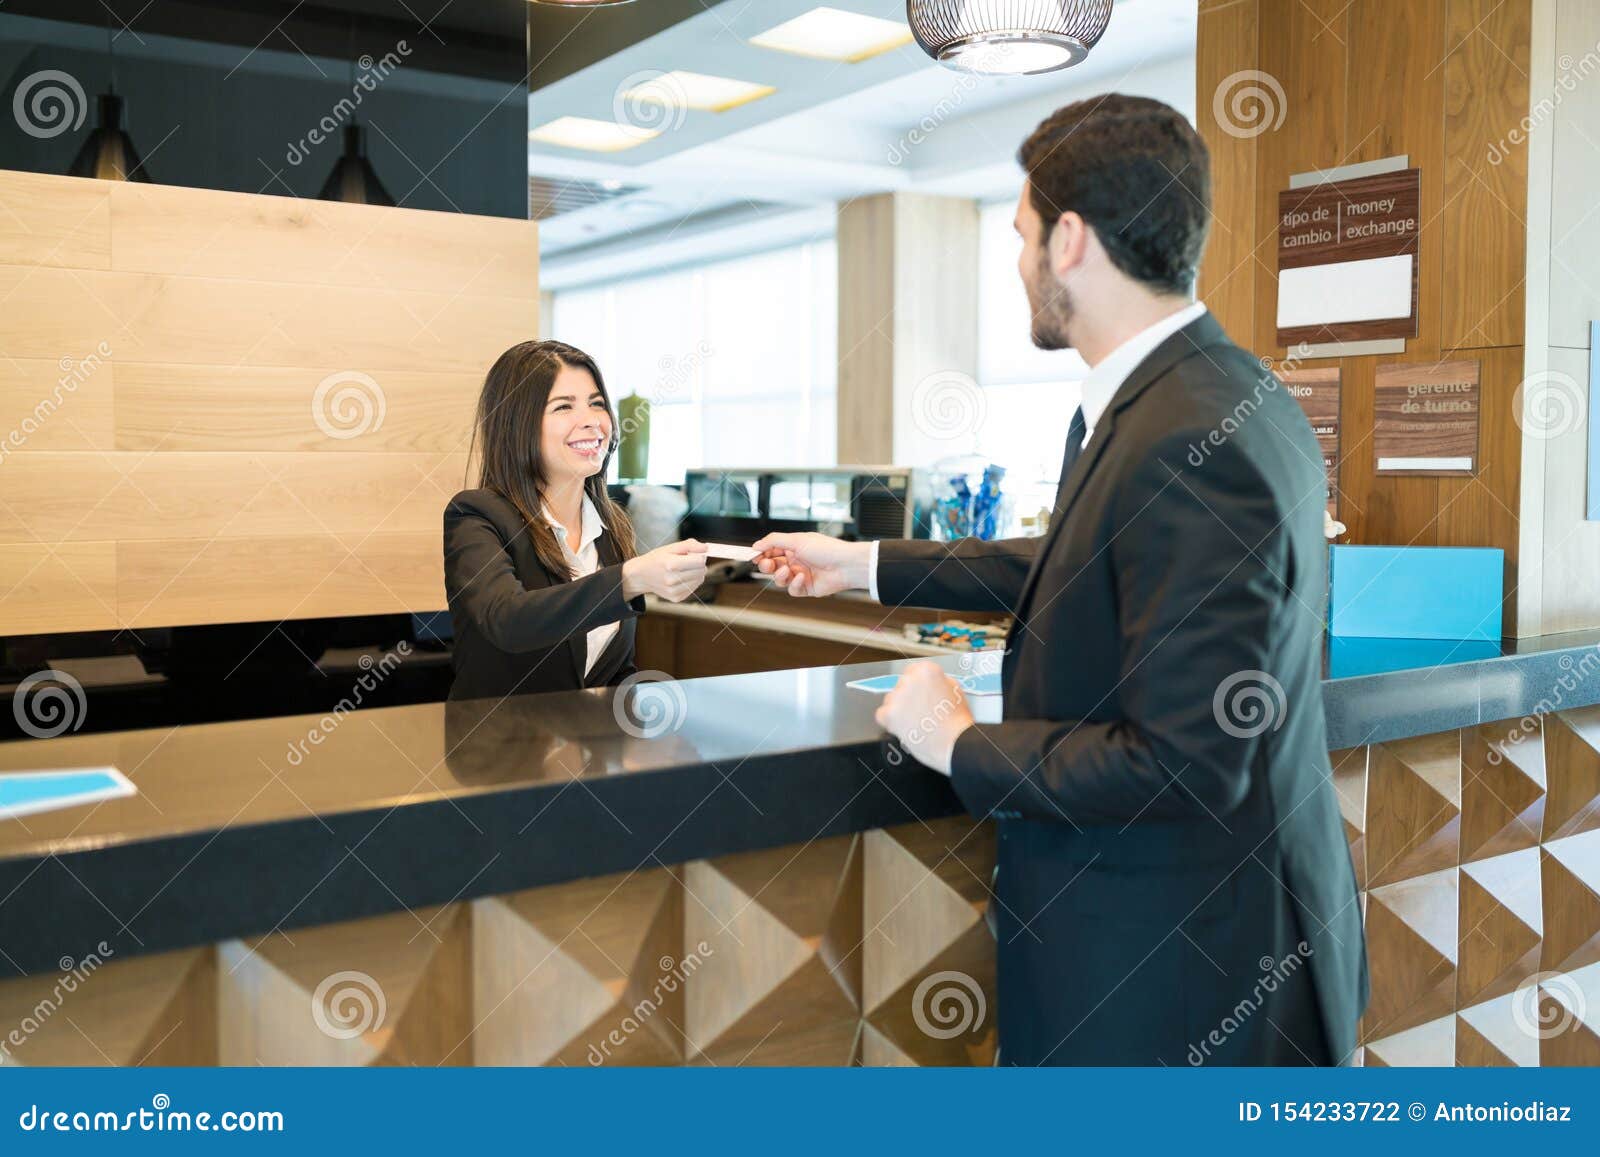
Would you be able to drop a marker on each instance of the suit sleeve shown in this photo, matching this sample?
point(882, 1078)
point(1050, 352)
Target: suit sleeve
point(479, 580)
point(1201, 557)
point(968, 574)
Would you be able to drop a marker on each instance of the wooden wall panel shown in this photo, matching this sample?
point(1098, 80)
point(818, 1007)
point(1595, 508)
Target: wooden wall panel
point(227, 321)
point(63, 586)
point(87, 497)
point(908, 313)
point(204, 233)
point(165, 581)
point(1228, 46)
point(168, 407)
point(1385, 120)
point(1304, 48)
point(1486, 179)
point(866, 329)
point(48, 220)
point(55, 405)
point(217, 407)
point(1439, 81)
point(1482, 510)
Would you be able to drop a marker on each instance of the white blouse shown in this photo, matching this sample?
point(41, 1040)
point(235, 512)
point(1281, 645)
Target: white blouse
point(585, 561)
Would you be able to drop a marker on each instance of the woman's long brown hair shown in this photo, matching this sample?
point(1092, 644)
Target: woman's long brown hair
point(510, 425)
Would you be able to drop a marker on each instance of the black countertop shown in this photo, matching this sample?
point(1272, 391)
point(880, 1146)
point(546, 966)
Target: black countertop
point(1381, 689)
point(246, 827)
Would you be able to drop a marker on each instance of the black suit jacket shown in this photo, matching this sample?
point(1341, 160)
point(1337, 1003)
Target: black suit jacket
point(518, 628)
point(1174, 884)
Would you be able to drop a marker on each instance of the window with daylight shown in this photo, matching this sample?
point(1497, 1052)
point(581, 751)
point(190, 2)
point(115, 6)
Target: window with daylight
point(738, 357)
point(1029, 394)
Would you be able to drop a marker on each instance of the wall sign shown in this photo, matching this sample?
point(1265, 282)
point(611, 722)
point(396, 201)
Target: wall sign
point(1317, 391)
point(1425, 418)
point(1347, 259)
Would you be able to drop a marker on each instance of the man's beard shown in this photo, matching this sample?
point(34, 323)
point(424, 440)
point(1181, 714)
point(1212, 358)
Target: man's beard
point(1052, 314)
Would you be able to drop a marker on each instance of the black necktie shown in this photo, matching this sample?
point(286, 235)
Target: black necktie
point(1075, 434)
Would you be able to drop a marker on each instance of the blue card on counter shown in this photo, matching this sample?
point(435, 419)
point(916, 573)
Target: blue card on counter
point(27, 792)
point(982, 683)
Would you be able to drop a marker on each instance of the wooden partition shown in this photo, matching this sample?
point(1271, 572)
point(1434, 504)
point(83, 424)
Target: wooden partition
point(1337, 82)
point(217, 407)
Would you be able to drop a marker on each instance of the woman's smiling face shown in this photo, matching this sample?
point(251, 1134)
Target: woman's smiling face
point(577, 427)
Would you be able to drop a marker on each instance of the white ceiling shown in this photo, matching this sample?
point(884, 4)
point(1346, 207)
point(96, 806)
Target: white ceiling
point(831, 131)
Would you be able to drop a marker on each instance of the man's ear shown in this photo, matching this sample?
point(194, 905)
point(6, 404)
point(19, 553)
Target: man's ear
point(1069, 243)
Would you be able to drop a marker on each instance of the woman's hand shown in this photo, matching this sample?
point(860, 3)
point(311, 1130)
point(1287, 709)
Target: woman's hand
point(808, 564)
point(672, 572)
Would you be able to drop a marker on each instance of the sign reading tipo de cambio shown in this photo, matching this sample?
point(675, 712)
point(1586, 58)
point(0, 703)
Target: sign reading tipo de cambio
point(1347, 259)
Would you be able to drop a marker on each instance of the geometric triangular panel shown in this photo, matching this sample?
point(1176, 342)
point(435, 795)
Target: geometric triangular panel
point(1501, 925)
point(585, 973)
point(389, 989)
point(1570, 1018)
point(1572, 746)
point(1571, 886)
point(1491, 1035)
point(1413, 807)
point(1427, 1045)
point(1350, 785)
point(1502, 789)
point(1412, 947)
point(142, 1010)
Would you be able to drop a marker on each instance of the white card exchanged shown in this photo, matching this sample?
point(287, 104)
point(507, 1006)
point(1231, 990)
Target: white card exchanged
point(724, 550)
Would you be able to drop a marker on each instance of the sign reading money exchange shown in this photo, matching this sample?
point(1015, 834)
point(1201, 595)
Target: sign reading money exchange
point(1347, 259)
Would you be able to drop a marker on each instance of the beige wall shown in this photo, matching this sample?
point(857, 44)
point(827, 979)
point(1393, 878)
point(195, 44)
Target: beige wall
point(220, 407)
point(908, 328)
point(1561, 578)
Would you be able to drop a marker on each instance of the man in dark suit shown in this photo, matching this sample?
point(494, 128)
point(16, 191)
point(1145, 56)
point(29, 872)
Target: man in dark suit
point(1173, 884)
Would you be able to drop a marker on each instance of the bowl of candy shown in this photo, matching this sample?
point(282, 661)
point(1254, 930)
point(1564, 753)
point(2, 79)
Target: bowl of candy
point(967, 499)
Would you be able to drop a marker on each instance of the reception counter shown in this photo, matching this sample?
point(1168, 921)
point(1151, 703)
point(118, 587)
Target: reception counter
point(723, 870)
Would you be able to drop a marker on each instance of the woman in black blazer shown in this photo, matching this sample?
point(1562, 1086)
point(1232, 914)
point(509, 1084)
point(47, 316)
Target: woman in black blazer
point(539, 563)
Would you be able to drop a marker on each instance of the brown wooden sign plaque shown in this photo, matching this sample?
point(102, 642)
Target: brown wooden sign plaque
point(1425, 418)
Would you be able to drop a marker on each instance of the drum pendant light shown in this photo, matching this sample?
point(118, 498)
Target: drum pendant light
point(1008, 37)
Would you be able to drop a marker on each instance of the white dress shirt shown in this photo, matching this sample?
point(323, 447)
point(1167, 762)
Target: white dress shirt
point(585, 561)
point(1106, 377)
point(1104, 380)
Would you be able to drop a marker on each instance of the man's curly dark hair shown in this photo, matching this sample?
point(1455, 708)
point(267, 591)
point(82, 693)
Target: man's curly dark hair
point(1136, 171)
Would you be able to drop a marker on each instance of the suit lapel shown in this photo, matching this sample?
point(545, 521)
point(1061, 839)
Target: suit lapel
point(1203, 331)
